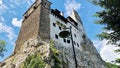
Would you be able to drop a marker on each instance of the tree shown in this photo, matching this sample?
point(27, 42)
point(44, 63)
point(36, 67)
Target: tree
point(109, 65)
point(2, 48)
point(109, 16)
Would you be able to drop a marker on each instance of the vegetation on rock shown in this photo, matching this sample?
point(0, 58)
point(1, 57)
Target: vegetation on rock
point(55, 56)
point(34, 61)
point(109, 65)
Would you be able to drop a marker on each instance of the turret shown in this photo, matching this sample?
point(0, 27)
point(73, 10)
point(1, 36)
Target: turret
point(36, 24)
point(74, 15)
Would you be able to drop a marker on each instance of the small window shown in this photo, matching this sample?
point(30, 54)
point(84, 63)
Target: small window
point(64, 40)
point(34, 6)
point(56, 36)
point(68, 41)
point(45, 3)
point(77, 44)
point(75, 35)
point(25, 17)
point(54, 24)
point(83, 36)
point(60, 28)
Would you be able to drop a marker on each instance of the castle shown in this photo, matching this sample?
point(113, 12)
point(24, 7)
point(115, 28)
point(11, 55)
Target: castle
point(42, 22)
point(40, 25)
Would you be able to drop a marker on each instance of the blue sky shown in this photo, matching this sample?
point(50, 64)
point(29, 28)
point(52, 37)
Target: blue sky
point(11, 12)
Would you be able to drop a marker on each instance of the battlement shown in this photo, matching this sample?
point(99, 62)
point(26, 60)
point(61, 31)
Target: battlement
point(32, 8)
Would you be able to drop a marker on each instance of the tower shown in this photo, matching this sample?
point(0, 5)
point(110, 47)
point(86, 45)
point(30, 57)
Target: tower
point(36, 23)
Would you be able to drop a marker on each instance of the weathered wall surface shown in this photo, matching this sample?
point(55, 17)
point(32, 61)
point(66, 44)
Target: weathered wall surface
point(36, 23)
point(29, 28)
point(87, 58)
point(44, 25)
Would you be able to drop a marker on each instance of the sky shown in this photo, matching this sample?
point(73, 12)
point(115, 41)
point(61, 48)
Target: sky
point(11, 12)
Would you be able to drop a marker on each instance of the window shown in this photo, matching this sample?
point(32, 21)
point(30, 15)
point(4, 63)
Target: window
point(56, 36)
point(77, 44)
point(75, 35)
point(64, 40)
point(68, 41)
point(83, 36)
point(54, 24)
point(25, 16)
point(60, 28)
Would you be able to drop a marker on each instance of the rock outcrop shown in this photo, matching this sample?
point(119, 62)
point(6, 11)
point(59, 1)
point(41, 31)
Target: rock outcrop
point(54, 55)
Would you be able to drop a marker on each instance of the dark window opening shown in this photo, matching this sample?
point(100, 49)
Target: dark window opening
point(26, 17)
point(64, 40)
point(68, 41)
point(45, 3)
point(60, 28)
point(54, 24)
point(75, 35)
point(77, 44)
point(34, 7)
point(83, 36)
point(56, 36)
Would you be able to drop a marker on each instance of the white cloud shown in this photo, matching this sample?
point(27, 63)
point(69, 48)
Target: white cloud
point(8, 30)
point(16, 22)
point(106, 51)
point(70, 5)
point(0, 2)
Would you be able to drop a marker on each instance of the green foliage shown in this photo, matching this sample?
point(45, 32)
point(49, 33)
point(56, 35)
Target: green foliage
point(55, 55)
point(118, 50)
point(34, 61)
point(60, 24)
point(109, 65)
point(2, 48)
point(117, 60)
point(110, 18)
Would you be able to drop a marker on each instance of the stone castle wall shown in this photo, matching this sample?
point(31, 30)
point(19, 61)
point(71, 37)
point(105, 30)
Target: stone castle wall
point(36, 23)
point(29, 27)
point(44, 25)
